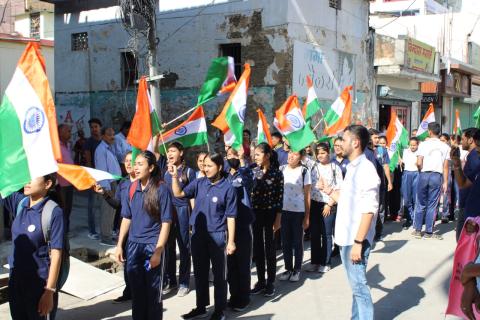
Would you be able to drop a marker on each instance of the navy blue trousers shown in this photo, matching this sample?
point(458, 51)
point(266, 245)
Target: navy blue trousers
point(180, 233)
point(409, 192)
point(24, 293)
point(321, 233)
point(292, 239)
point(210, 247)
point(145, 285)
point(239, 266)
point(428, 193)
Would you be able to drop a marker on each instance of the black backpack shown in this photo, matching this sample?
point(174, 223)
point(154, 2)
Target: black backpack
point(46, 218)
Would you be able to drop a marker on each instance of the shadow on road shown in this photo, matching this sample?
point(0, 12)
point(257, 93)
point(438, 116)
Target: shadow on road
point(101, 310)
point(402, 297)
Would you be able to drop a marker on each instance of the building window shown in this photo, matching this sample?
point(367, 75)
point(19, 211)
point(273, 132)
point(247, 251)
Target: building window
point(35, 25)
point(335, 4)
point(233, 50)
point(129, 69)
point(80, 41)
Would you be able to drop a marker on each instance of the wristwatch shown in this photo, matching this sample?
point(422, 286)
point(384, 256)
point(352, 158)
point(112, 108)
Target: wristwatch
point(358, 242)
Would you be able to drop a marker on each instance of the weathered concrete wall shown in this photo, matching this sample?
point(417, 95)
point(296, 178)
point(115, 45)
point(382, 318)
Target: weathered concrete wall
point(265, 29)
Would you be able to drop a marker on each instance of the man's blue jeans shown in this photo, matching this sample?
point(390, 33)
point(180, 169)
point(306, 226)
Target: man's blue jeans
point(428, 194)
point(362, 306)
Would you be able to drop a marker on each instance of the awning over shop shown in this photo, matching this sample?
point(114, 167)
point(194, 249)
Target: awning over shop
point(399, 94)
point(475, 97)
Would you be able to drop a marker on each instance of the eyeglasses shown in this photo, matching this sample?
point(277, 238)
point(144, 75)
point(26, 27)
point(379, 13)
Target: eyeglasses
point(337, 145)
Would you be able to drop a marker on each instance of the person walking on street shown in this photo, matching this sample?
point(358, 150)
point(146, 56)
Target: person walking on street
point(323, 210)
point(358, 201)
point(105, 160)
point(432, 161)
point(267, 201)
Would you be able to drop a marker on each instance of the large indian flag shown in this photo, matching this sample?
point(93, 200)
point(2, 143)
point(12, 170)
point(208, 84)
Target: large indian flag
point(291, 124)
point(397, 139)
point(263, 133)
point(83, 178)
point(29, 144)
point(231, 119)
point(338, 116)
point(422, 132)
point(145, 123)
point(220, 79)
point(191, 132)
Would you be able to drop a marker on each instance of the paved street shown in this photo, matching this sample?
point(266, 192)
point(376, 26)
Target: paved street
point(409, 280)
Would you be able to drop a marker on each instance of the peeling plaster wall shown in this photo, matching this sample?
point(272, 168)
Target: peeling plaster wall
point(266, 30)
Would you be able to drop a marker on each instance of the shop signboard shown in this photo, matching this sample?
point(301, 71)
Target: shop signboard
point(419, 56)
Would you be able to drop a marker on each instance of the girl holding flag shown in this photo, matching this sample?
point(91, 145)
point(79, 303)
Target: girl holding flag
point(181, 230)
point(35, 261)
point(147, 215)
point(213, 215)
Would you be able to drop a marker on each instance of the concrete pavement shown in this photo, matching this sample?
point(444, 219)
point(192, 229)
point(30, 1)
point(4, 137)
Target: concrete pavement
point(409, 280)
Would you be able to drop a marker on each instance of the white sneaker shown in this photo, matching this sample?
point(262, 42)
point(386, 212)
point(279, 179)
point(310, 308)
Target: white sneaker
point(295, 277)
point(94, 236)
point(324, 269)
point(285, 276)
point(312, 268)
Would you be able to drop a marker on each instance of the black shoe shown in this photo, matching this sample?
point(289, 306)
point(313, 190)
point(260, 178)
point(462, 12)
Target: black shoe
point(407, 225)
point(217, 315)
point(121, 299)
point(269, 290)
point(258, 288)
point(240, 307)
point(197, 313)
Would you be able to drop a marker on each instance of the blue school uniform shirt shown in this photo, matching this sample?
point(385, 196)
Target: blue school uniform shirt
point(122, 191)
point(470, 170)
point(342, 164)
point(370, 154)
point(213, 204)
point(242, 181)
point(190, 177)
point(282, 156)
point(30, 256)
point(143, 228)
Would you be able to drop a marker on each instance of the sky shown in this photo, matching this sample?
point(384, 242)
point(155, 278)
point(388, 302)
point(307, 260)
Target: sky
point(166, 5)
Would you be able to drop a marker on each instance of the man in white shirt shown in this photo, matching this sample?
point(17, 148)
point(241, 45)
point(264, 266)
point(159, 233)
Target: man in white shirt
point(358, 202)
point(409, 180)
point(432, 161)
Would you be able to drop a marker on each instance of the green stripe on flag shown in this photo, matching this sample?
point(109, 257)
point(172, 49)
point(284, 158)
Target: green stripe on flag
point(331, 117)
point(300, 139)
point(14, 171)
point(235, 125)
point(216, 75)
point(191, 140)
point(423, 136)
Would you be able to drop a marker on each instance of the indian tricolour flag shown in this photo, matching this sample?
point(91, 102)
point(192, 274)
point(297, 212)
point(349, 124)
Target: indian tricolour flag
point(457, 127)
point(83, 178)
point(263, 133)
point(231, 119)
point(29, 144)
point(338, 116)
point(422, 132)
point(397, 139)
point(220, 79)
point(290, 123)
point(311, 105)
point(145, 123)
point(191, 132)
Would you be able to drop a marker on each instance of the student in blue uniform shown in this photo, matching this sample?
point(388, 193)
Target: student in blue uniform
point(239, 264)
point(147, 215)
point(34, 271)
point(199, 159)
point(214, 213)
point(121, 194)
point(180, 226)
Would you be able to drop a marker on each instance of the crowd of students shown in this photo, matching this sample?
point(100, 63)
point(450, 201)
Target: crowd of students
point(236, 207)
